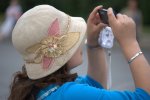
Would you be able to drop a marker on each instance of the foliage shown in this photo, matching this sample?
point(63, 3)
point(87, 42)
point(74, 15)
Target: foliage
point(81, 7)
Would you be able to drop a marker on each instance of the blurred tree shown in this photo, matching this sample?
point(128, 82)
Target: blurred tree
point(81, 7)
point(145, 8)
point(3, 5)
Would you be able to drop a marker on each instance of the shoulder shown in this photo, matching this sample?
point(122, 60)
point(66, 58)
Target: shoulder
point(89, 81)
point(76, 91)
point(81, 88)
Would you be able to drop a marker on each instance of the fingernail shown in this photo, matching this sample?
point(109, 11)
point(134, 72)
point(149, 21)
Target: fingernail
point(110, 9)
point(100, 6)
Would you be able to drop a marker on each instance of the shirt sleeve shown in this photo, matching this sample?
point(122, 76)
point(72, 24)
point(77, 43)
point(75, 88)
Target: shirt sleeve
point(86, 92)
point(89, 81)
point(74, 91)
point(138, 94)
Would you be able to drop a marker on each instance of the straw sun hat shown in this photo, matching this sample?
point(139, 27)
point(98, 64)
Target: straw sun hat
point(47, 38)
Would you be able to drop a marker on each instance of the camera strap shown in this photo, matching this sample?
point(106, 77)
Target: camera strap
point(109, 77)
point(106, 40)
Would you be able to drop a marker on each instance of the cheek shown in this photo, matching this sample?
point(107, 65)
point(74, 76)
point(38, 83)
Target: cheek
point(76, 59)
point(81, 54)
point(79, 58)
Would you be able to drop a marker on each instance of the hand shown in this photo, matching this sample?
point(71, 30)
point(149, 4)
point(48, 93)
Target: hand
point(123, 27)
point(94, 26)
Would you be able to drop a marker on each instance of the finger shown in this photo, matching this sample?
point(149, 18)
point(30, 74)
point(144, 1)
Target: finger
point(120, 16)
point(100, 26)
point(126, 16)
point(131, 20)
point(97, 18)
point(111, 17)
point(94, 12)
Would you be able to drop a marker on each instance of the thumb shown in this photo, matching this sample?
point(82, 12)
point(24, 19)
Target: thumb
point(111, 17)
point(100, 26)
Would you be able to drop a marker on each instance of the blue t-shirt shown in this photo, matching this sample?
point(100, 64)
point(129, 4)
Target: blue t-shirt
point(85, 88)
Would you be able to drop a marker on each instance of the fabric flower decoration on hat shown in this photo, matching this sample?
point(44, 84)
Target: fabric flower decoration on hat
point(53, 46)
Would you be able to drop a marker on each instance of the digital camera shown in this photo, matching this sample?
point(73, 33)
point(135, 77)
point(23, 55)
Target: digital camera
point(106, 37)
point(103, 15)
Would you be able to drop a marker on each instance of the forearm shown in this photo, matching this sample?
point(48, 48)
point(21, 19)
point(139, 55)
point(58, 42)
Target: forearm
point(97, 67)
point(139, 67)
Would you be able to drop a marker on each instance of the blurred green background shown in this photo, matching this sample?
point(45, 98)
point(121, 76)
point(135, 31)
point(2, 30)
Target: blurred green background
point(83, 7)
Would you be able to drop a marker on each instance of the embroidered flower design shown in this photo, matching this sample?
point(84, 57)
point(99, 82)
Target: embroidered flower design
point(53, 46)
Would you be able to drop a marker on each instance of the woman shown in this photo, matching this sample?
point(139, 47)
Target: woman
point(13, 13)
point(50, 43)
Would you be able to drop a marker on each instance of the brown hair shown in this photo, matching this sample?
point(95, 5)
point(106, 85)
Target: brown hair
point(24, 88)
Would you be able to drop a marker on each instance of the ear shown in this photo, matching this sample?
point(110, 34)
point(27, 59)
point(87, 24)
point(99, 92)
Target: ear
point(54, 28)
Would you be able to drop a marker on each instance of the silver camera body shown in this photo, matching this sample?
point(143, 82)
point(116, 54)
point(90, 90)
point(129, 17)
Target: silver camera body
point(106, 38)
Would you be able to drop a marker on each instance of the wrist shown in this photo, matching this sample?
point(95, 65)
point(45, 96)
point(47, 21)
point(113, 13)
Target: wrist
point(125, 41)
point(92, 46)
point(130, 49)
point(129, 45)
point(92, 42)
